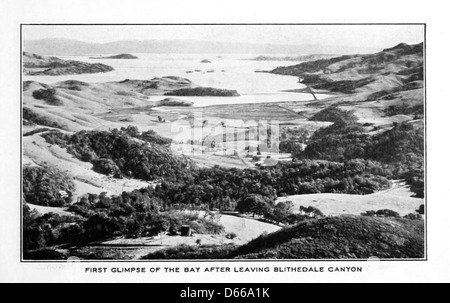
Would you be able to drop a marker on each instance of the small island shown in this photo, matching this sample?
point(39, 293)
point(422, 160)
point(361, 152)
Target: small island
point(119, 56)
point(174, 102)
point(203, 91)
point(205, 61)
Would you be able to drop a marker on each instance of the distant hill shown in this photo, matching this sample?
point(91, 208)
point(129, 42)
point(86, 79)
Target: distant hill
point(65, 47)
point(399, 68)
point(312, 57)
point(120, 56)
point(34, 64)
point(340, 237)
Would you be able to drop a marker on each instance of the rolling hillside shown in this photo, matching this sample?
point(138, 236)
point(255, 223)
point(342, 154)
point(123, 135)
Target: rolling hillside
point(340, 237)
point(399, 67)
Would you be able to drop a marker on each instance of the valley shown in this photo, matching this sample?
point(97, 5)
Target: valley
point(146, 161)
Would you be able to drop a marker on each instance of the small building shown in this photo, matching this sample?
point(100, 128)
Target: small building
point(186, 231)
point(63, 194)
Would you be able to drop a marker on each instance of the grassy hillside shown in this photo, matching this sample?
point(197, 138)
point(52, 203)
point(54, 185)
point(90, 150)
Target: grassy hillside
point(392, 68)
point(340, 237)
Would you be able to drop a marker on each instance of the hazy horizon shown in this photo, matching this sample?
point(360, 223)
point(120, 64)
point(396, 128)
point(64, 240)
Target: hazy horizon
point(338, 36)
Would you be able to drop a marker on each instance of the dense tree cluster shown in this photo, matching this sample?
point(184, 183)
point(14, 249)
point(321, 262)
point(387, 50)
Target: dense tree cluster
point(230, 189)
point(99, 217)
point(47, 186)
point(41, 231)
point(415, 178)
point(118, 152)
point(400, 149)
point(335, 115)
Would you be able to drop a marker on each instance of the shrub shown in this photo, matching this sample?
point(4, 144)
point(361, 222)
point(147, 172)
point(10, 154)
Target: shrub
point(152, 137)
point(36, 131)
point(231, 236)
point(55, 137)
point(48, 95)
point(105, 166)
point(335, 115)
point(369, 213)
point(387, 213)
point(412, 216)
point(404, 109)
point(125, 93)
point(30, 116)
point(381, 213)
point(311, 211)
point(421, 210)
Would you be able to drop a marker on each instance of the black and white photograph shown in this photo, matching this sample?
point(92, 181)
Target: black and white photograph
point(147, 142)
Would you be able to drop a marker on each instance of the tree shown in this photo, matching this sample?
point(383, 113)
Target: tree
point(311, 211)
point(33, 235)
point(421, 210)
point(282, 211)
point(255, 204)
point(100, 227)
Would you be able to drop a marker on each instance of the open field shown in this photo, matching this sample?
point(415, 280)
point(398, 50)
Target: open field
point(246, 229)
point(398, 198)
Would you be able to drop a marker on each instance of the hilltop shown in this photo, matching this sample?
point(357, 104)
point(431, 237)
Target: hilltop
point(340, 237)
point(399, 67)
point(34, 64)
point(312, 57)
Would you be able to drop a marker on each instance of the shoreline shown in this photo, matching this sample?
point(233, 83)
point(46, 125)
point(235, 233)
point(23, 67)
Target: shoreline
point(316, 92)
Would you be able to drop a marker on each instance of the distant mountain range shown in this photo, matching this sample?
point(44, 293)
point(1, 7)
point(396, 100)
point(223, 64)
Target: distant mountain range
point(67, 47)
point(312, 57)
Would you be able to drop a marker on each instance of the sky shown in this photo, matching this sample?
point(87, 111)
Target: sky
point(376, 36)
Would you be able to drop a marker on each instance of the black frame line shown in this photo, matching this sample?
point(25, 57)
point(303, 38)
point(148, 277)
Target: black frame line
point(425, 259)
